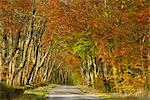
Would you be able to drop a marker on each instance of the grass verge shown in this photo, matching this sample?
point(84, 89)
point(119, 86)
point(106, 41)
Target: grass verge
point(37, 93)
point(109, 96)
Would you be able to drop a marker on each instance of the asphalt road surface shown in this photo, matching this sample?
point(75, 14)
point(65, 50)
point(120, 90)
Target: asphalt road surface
point(62, 92)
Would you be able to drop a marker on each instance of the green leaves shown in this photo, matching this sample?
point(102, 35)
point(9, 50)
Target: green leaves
point(84, 47)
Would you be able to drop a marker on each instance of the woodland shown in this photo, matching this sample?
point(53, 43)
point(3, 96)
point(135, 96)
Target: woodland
point(104, 44)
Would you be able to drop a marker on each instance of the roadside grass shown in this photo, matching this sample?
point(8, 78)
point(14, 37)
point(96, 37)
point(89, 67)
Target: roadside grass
point(90, 90)
point(109, 96)
point(37, 93)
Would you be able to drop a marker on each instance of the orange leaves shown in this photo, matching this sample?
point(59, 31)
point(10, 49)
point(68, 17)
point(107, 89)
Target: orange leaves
point(72, 60)
point(3, 4)
point(72, 63)
point(11, 25)
point(144, 16)
point(24, 5)
point(11, 17)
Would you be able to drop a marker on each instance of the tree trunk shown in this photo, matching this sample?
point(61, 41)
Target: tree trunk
point(1, 67)
point(146, 62)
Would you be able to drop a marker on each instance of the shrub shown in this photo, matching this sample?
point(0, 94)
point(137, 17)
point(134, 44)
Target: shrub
point(99, 84)
point(8, 92)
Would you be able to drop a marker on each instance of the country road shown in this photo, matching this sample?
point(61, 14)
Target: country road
point(62, 92)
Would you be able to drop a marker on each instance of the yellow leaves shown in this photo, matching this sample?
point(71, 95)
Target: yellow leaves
point(139, 79)
point(106, 14)
point(68, 38)
point(128, 84)
point(71, 59)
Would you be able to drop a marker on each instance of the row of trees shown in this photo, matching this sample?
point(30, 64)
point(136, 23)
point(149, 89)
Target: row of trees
point(105, 42)
point(25, 56)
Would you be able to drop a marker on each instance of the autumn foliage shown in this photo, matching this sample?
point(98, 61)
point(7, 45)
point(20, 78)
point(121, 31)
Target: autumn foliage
point(102, 43)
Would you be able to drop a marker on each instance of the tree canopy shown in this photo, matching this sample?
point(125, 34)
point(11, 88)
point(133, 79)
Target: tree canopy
point(100, 43)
